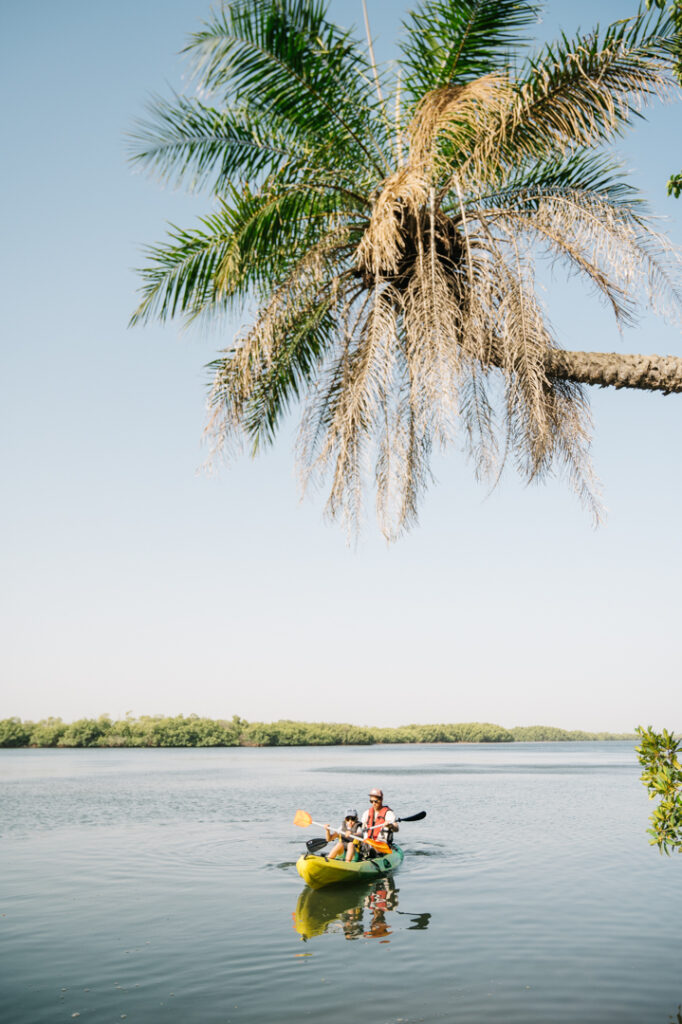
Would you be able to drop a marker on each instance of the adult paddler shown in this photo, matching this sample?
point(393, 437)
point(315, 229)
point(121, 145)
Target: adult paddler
point(378, 821)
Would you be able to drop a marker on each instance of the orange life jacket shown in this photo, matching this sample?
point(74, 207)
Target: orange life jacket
point(377, 816)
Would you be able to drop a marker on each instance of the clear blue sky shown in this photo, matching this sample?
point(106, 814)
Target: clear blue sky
point(131, 581)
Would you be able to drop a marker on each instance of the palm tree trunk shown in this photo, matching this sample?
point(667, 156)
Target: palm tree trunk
point(613, 369)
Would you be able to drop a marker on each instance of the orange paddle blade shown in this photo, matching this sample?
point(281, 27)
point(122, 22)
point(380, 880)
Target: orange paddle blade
point(377, 845)
point(303, 819)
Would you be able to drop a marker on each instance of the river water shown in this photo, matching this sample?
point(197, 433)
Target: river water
point(159, 886)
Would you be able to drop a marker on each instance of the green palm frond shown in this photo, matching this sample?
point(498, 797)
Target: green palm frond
point(276, 383)
point(287, 57)
point(183, 140)
point(179, 277)
point(271, 231)
point(582, 169)
point(245, 248)
point(450, 42)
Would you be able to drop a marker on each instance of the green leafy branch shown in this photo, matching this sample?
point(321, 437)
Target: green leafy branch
point(662, 776)
point(675, 185)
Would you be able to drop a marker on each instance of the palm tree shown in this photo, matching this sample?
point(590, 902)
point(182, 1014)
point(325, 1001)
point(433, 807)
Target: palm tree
point(384, 225)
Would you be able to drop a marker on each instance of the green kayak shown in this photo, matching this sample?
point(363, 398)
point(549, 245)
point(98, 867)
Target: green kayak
point(318, 871)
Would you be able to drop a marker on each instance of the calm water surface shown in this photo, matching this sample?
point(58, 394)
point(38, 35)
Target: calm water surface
point(159, 886)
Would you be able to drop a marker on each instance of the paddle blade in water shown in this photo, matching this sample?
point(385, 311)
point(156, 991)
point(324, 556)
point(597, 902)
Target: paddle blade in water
point(303, 819)
point(315, 845)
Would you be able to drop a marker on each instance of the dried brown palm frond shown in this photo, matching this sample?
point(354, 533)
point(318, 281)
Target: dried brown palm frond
point(311, 287)
point(456, 115)
point(344, 411)
point(627, 262)
point(400, 198)
point(463, 117)
point(509, 340)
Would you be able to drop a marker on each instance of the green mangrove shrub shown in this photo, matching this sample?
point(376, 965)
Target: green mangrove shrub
point(662, 776)
point(194, 731)
point(15, 733)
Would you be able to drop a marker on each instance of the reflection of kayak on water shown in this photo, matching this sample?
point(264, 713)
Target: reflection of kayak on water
point(359, 911)
point(318, 871)
point(317, 909)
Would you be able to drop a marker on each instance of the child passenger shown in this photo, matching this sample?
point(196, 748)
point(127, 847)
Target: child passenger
point(351, 827)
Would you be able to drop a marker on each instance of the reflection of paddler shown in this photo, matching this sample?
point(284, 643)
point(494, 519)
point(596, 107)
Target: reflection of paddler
point(317, 909)
point(383, 898)
point(351, 922)
point(378, 929)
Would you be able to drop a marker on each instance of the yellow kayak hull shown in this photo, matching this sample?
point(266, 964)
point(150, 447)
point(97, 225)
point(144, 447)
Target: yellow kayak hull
point(318, 871)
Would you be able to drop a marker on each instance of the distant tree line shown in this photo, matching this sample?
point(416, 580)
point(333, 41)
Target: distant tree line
point(193, 731)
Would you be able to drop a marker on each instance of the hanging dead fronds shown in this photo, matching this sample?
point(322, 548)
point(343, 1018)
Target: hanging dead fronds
point(391, 258)
point(402, 197)
point(447, 119)
point(456, 121)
